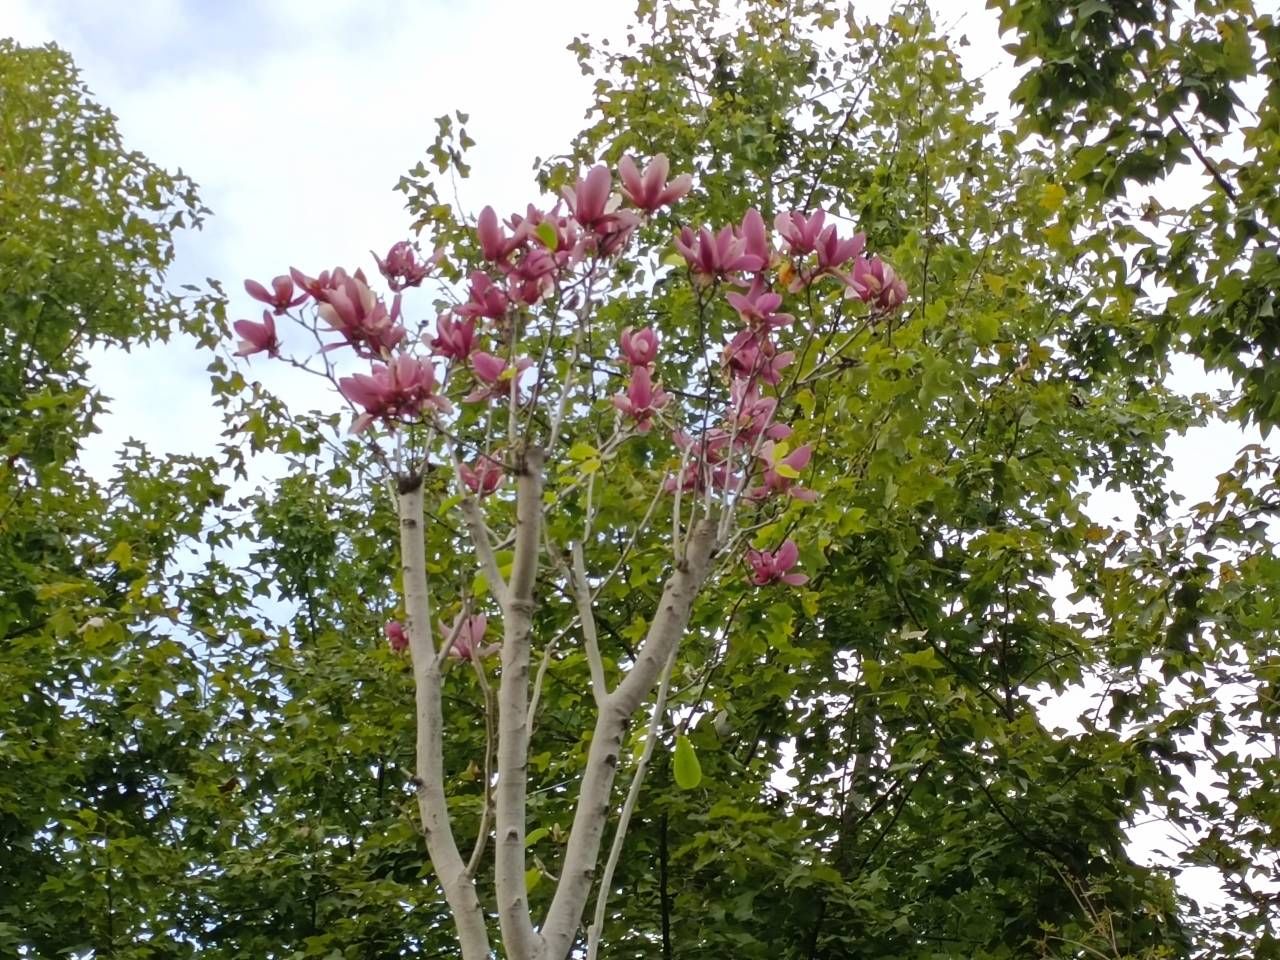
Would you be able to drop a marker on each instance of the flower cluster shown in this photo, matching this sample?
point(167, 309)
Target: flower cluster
point(643, 399)
point(745, 453)
point(401, 267)
point(465, 637)
point(740, 454)
point(344, 301)
point(399, 390)
point(813, 248)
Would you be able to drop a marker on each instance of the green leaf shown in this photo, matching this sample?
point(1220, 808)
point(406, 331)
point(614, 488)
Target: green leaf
point(546, 232)
point(986, 327)
point(687, 770)
point(926, 659)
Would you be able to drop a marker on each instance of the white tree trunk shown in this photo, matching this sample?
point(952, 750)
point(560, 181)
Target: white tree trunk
point(433, 809)
point(518, 936)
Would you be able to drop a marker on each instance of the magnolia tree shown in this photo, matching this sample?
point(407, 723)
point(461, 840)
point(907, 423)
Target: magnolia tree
point(576, 454)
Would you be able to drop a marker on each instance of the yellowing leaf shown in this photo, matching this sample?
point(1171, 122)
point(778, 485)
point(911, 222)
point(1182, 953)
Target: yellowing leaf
point(1058, 235)
point(1052, 197)
point(47, 591)
point(121, 554)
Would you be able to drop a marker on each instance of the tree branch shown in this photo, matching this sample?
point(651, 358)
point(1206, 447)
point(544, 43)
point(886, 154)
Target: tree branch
point(582, 594)
point(486, 809)
point(479, 531)
point(628, 808)
point(583, 849)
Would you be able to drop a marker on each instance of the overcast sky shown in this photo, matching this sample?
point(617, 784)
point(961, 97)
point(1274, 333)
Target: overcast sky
point(297, 117)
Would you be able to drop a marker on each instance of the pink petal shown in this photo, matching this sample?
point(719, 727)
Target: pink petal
point(641, 389)
point(630, 177)
point(490, 234)
point(676, 189)
point(799, 458)
point(486, 366)
point(258, 291)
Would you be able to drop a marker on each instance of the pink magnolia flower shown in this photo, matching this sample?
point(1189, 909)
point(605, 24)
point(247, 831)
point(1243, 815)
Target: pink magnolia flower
point(494, 376)
point(782, 472)
point(874, 281)
point(280, 297)
point(752, 356)
point(257, 337)
point(495, 245)
point(321, 286)
point(589, 197)
point(642, 400)
point(614, 232)
point(399, 390)
point(834, 253)
point(363, 320)
point(758, 307)
point(561, 239)
point(698, 476)
point(486, 298)
point(716, 255)
point(454, 339)
point(639, 347)
point(468, 637)
point(532, 276)
point(650, 190)
point(751, 414)
point(771, 567)
point(482, 478)
point(800, 232)
point(707, 464)
point(396, 636)
point(402, 268)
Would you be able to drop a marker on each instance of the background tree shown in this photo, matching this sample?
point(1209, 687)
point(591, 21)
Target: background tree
point(1134, 95)
point(118, 716)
